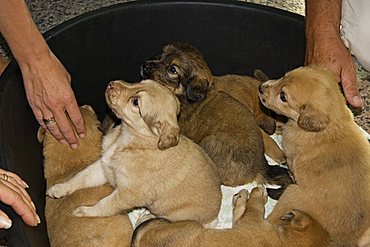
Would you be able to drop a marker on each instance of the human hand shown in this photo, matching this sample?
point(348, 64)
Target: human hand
point(13, 193)
point(50, 96)
point(329, 50)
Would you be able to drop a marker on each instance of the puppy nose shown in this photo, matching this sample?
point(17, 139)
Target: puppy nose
point(146, 68)
point(110, 85)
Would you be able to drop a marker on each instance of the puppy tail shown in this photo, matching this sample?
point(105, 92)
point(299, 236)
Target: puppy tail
point(277, 175)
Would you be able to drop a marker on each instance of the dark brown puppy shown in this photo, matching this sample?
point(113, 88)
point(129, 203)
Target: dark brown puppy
point(295, 228)
point(326, 151)
point(61, 162)
point(217, 113)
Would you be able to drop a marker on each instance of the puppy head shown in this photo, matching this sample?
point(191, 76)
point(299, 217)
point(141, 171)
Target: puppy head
point(181, 68)
point(308, 95)
point(60, 158)
point(146, 107)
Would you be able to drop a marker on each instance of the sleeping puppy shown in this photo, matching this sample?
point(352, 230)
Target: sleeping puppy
point(295, 228)
point(147, 162)
point(217, 113)
point(60, 163)
point(326, 151)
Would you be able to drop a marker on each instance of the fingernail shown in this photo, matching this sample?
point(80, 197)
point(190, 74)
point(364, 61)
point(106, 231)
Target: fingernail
point(5, 223)
point(25, 184)
point(74, 146)
point(82, 135)
point(63, 141)
point(357, 100)
point(38, 219)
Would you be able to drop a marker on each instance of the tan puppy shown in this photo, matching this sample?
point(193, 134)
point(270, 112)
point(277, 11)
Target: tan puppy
point(147, 162)
point(61, 162)
point(294, 229)
point(221, 114)
point(326, 151)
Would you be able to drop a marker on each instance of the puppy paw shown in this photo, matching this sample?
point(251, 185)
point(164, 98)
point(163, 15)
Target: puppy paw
point(240, 198)
point(83, 211)
point(259, 192)
point(239, 204)
point(57, 191)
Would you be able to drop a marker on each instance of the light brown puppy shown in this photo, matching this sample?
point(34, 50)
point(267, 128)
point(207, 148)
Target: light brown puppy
point(326, 151)
point(60, 163)
point(221, 114)
point(294, 229)
point(147, 162)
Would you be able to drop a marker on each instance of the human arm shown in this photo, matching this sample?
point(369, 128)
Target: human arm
point(13, 193)
point(325, 46)
point(46, 81)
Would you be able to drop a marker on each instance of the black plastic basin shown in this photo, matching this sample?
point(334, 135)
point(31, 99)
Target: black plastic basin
point(111, 43)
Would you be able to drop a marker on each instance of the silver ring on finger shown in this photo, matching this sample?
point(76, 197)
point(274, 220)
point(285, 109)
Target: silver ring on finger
point(48, 121)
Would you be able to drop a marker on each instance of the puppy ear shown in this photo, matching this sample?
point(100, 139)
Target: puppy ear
point(312, 119)
point(296, 219)
point(40, 135)
point(168, 134)
point(164, 124)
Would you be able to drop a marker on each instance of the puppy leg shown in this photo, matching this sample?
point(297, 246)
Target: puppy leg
point(272, 149)
point(292, 197)
point(255, 206)
point(239, 204)
point(91, 176)
point(110, 205)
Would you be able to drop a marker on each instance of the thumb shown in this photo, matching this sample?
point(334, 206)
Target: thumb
point(5, 222)
point(350, 88)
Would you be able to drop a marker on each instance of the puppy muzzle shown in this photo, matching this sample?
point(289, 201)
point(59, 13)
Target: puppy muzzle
point(195, 95)
point(147, 69)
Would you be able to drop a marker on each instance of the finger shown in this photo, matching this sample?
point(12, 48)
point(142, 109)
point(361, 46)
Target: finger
point(76, 118)
point(53, 127)
point(15, 200)
point(17, 178)
point(350, 88)
point(65, 128)
point(20, 187)
point(5, 222)
point(22, 192)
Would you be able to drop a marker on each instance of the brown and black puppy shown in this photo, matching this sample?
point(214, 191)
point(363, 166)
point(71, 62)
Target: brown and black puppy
point(295, 228)
point(326, 151)
point(61, 162)
point(221, 114)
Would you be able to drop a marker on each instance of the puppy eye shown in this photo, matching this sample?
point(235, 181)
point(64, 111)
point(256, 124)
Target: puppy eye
point(172, 70)
point(283, 97)
point(135, 101)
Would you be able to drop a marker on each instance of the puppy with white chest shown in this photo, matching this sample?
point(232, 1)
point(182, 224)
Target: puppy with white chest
point(60, 163)
point(326, 151)
point(147, 162)
point(295, 228)
point(220, 113)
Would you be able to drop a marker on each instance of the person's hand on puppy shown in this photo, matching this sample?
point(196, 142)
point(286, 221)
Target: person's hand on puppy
point(46, 81)
point(326, 47)
point(50, 96)
point(13, 193)
point(329, 50)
